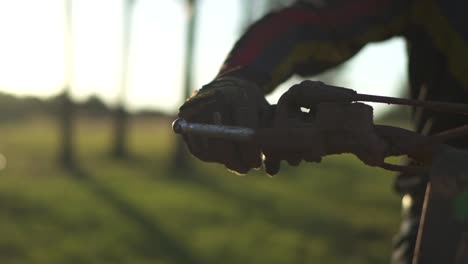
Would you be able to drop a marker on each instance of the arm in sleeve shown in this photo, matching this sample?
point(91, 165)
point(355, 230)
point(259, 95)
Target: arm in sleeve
point(306, 40)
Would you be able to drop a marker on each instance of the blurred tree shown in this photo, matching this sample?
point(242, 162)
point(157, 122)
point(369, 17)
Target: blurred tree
point(93, 106)
point(180, 160)
point(119, 148)
point(190, 47)
point(13, 108)
point(66, 156)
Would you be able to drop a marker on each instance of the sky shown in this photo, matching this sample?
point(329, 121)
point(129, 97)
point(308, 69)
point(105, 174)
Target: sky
point(32, 60)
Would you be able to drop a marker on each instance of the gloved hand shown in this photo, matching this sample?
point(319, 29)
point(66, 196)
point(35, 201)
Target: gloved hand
point(227, 101)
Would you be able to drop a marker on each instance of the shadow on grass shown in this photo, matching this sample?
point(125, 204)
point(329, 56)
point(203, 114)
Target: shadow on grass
point(339, 234)
point(158, 243)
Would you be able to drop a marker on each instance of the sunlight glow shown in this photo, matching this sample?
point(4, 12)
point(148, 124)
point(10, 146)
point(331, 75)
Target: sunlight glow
point(32, 51)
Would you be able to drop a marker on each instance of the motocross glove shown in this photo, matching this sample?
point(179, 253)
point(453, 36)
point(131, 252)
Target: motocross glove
point(227, 101)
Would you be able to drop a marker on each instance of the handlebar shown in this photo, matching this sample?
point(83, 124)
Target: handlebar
point(337, 125)
point(182, 127)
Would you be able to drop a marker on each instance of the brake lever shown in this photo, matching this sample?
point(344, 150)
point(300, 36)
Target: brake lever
point(315, 92)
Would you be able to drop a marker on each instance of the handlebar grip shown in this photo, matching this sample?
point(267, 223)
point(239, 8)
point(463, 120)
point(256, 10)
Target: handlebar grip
point(181, 126)
point(177, 126)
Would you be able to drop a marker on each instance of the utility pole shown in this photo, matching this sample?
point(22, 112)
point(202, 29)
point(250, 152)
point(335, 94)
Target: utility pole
point(180, 160)
point(120, 149)
point(190, 47)
point(248, 14)
point(66, 156)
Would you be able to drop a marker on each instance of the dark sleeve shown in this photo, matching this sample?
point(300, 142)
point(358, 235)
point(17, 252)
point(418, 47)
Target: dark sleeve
point(305, 39)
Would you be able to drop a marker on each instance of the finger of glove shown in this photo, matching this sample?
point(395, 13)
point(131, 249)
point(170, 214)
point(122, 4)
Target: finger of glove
point(272, 164)
point(226, 150)
point(312, 157)
point(294, 158)
point(236, 165)
point(196, 146)
point(195, 111)
point(215, 150)
point(202, 148)
point(249, 152)
point(211, 107)
point(206, 149)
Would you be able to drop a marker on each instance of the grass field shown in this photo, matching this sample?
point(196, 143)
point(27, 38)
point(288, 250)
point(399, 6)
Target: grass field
point(141, 211)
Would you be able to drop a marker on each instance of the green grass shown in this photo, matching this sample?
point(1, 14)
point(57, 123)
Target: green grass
point(141, 211)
